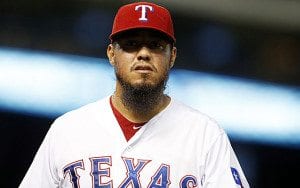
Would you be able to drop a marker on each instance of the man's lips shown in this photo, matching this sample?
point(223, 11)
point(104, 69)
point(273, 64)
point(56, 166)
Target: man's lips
point(143, 68)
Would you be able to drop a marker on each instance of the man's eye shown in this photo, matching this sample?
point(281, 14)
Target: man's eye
point(156, 45)
point(131, 43)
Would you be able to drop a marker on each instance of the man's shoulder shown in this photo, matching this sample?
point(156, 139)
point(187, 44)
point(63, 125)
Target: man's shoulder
point(86, 111)
point(82, 119)
point(189, 110)
point(190, 114)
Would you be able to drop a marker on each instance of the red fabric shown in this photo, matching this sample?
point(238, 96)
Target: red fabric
point(143, 15)
point(126, 125)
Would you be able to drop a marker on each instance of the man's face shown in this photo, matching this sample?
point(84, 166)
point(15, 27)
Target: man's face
point(142, 58)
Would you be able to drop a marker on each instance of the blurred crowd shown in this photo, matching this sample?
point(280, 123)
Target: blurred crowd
point(266, 54)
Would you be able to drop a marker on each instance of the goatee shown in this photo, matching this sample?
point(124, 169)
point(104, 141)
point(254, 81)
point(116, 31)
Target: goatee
point(142, 98)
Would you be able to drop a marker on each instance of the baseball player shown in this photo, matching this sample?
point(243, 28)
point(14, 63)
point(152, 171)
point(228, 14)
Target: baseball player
point(138, 137)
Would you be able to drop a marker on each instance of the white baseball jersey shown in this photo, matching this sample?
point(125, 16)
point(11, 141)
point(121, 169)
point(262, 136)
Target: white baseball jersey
point(178, 148)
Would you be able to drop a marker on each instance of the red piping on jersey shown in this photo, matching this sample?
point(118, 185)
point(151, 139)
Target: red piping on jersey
point(126, 125)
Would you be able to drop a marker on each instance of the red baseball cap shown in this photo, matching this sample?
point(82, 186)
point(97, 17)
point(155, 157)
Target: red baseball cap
point(143, 15)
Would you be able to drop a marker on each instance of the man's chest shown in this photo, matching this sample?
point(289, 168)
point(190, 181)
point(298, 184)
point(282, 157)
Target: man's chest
point(136, 165)
point(127, 171)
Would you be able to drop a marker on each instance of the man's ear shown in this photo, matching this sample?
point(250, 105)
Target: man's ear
point(110, 51)
point(173, 56)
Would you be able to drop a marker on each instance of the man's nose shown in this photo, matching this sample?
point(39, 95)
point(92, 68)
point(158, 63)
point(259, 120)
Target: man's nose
point(144, 53)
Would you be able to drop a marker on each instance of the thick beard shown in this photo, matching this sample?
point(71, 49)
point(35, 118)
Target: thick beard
point(142, 99)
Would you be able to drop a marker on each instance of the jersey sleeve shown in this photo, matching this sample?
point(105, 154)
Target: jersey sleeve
point(222, 168)
point(42, 171)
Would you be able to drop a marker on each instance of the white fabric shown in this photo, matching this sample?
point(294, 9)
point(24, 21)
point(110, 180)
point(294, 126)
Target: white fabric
point(179, 147)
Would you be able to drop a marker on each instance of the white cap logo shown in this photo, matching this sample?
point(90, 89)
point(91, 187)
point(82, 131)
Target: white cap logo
point(144, 11)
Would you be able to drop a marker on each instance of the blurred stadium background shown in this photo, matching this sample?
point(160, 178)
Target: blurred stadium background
point(238, 61)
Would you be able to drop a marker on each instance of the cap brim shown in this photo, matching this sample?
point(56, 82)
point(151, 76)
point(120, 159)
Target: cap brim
point(119, 32)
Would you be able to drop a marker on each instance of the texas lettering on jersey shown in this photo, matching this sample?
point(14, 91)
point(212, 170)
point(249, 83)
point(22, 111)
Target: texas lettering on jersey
point(160, 179)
